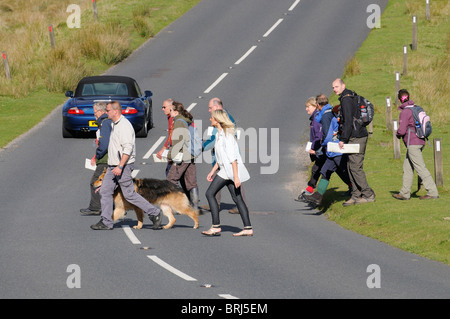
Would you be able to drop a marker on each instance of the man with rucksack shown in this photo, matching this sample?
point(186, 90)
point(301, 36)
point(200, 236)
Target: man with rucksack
point(353, 132)
point(414, 144)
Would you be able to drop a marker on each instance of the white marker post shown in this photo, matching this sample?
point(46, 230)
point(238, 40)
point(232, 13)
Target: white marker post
point(397, 86)
point(414, 33)
point(405, 60)
point(388, 113)
point(438, 162)
point(396, 141)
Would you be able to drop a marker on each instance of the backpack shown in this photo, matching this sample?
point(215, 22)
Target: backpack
point(196, 142)
point(366, 110)
point(421, 121)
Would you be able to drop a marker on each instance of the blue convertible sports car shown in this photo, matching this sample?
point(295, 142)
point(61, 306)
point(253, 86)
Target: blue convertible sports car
point(78, 113)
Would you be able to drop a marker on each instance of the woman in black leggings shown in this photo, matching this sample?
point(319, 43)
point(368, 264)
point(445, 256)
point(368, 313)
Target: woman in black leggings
point(232, 173)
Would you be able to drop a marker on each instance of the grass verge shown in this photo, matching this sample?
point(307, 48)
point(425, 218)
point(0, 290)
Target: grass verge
point(420, 227)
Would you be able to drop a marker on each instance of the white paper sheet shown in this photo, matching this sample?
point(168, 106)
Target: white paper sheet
point(87, 164)
point(308, 146)
point(348, 148)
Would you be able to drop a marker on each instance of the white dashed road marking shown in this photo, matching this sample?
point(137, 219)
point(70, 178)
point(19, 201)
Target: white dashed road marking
point(131, 235)
point(228, 296)
point(294, 5)
point(215, 83)
point(246, 54)
point(272, 28)
point(150, 151)
point(171, 269)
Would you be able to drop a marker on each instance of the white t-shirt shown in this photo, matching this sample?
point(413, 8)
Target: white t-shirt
point(227, 151)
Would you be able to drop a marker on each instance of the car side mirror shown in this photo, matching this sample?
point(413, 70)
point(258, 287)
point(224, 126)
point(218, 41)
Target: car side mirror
point(69, 93)
point(148, 93)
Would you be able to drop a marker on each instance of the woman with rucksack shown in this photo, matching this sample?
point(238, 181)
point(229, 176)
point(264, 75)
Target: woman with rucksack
point(414, 147)
point(183, 170)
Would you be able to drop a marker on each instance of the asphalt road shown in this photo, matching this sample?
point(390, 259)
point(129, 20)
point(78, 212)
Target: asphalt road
point(264, 58)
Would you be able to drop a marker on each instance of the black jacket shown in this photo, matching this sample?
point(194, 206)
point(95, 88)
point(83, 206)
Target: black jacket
point(350, 128)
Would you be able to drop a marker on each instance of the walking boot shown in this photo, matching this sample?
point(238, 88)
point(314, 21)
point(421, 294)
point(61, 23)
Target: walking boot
point(315, 198)
point(194, 198)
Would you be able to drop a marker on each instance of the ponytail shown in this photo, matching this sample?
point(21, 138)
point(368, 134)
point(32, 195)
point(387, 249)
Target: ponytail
point(177, 106)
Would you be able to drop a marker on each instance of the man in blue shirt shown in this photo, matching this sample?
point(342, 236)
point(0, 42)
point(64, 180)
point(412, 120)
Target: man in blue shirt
point(101, 156)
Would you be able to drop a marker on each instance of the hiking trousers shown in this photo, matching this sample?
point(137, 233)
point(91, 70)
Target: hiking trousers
point(125, 182)
point(355, 166)
point(414, 162)
point(186, 171)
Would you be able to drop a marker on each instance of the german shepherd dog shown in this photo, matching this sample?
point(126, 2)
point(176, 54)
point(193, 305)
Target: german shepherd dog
point(162, 193)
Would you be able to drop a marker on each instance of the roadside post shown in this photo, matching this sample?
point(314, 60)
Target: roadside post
point(52, 36)
point(396, 141)
point(388, 113)
point(94, 7)
point(438, 162)
point(414, 33)
point(405, 60)
point(397, 87)
point(6, 65)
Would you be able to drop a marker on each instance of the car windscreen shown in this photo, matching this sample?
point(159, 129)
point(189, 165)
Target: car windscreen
point(105, 88)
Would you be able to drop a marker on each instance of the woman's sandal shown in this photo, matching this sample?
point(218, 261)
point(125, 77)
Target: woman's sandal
point(245, 232)
point(213, 231)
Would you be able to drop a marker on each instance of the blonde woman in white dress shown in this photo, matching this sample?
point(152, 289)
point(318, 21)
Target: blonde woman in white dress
point(231, 174)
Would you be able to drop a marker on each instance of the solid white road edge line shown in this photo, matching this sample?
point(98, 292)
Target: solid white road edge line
point(131, 235)
point(170, 268)
point(216, 82)
point(272, 28)
point(246, 54)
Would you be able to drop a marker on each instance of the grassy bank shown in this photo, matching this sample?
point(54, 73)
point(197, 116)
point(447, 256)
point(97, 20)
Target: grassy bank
point(40, 75)
point(416, 226)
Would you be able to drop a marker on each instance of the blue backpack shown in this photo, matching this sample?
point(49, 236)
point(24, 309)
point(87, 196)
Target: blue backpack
point(196, 142)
